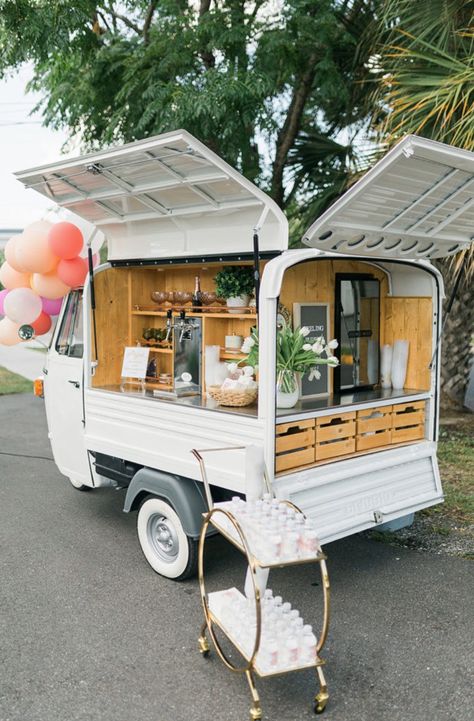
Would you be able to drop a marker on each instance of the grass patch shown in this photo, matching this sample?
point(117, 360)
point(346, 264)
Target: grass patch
point(456, 463)
point(13, 383)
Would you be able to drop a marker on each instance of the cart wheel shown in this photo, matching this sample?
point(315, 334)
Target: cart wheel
point(166, 547)
point(204, 648)
point(319, 706)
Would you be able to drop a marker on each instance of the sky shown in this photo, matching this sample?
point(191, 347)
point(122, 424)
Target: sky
point(24, 143)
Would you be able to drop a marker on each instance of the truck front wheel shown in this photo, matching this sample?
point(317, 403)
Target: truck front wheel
point(166, 547)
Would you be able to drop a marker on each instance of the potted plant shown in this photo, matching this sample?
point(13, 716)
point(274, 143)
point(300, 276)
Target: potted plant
point(294, 356)
point(235, 283)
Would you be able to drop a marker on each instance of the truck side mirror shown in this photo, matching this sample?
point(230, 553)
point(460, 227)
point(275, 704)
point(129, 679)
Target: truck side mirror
point(26, 332)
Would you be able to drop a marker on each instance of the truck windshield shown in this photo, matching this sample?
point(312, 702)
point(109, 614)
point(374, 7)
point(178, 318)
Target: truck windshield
point(70, 341)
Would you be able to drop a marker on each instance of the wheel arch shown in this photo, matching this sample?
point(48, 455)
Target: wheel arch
point(185, 496)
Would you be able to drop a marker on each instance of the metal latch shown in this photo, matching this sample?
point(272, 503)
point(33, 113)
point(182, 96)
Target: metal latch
point(94, 365)
point(378, 516)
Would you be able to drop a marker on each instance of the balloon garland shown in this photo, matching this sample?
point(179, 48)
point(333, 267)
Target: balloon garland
point(41, 266)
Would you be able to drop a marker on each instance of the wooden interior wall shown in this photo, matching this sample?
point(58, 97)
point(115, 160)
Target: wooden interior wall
point(315, 281)
point(112, 322)
point(401, 318)
point(411, 319)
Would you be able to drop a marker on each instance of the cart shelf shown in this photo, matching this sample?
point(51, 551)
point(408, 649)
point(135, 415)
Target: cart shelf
point(228, 530)
point(258, 665)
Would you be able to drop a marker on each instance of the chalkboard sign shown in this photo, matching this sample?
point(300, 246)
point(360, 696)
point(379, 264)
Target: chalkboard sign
point(314, 316)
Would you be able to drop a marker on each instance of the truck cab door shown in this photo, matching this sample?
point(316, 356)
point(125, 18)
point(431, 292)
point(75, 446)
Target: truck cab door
point(64, 394)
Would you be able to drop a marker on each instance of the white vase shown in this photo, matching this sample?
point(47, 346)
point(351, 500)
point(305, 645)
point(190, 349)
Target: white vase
point(287, 389)
point(386, 367)
point(238, 302)
point(399, 363)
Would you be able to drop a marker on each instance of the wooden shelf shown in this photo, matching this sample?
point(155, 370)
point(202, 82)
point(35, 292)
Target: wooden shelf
point(227, 355)
point(158, 350)
point(231, 316)
point(154, 384)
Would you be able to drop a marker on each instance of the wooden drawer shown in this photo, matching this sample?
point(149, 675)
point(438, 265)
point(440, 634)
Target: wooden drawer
point(374, 419)
point(410, 433)
point(302, 457)
point(408, 414)
point(294, 444)
point(373, 439)
point(335, 435)
point(331, 449)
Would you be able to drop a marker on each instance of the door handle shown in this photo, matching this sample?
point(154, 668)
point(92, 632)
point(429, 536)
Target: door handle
point(76, 384)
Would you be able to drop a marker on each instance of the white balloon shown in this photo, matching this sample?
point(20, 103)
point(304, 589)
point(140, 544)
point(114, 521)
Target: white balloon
point(22, 305)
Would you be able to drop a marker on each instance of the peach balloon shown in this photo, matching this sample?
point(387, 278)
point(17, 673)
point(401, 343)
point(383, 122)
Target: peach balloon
point(42, 324)
point(72, 272)
point(9, 332)
point(22, 305)
point(49, 286)
point(32, 249)
point(65, 240)
point(11, 278)
point(11, 256)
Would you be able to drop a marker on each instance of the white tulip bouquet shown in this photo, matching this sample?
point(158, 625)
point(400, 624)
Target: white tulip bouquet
point(294, 353)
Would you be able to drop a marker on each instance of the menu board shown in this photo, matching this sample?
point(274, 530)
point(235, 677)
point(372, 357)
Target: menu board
point(135, 362)
point(314, 316)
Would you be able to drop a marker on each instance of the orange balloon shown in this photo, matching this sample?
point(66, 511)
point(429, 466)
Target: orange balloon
point(11, 256)
point(11, 278)
point(42, 324)
point(32, 249)
point(65, 240)
point(72, 272)
point(49, 286)
point(9, 332)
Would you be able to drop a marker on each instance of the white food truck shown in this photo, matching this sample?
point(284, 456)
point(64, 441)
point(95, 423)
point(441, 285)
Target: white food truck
point(353, 453)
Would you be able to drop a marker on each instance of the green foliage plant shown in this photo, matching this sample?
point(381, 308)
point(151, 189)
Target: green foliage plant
point(234, 281)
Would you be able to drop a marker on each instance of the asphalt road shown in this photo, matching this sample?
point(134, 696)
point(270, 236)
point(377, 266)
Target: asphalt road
point(89, 633)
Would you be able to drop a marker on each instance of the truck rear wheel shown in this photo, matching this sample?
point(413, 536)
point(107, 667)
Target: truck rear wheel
point(166, 547)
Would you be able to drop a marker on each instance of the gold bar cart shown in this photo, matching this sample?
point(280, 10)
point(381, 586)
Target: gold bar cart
point(224, 521)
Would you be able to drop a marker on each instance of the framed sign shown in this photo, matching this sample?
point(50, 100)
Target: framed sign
point(314, 316)
point(135, 362)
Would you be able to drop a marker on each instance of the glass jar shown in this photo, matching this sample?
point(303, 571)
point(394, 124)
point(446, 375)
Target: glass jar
point(287, 388)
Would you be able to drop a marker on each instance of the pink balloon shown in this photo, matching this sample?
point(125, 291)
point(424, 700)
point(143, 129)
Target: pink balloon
point(42, 324)
point(51, 306)
point(11, 254)
point(22, 305)
point(11, 278)
point(72, 272)
point(95, 260)
point(49, 286)
point(32, 249)
point(3, 295)
point(65, 240)
point(9, 332)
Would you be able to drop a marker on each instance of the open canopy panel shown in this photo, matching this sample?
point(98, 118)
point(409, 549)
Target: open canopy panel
point(417, 202)
point(167, 196)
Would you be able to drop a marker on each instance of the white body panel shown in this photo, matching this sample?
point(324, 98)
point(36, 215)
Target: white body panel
point(353, 495)
point(161, 435)
point(64, 411)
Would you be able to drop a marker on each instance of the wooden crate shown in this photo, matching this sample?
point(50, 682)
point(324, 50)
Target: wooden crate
point(335, 435)
point(373, 439)
point(408, 422)
point(374, 419)
point(294, 444)
point(408, 414)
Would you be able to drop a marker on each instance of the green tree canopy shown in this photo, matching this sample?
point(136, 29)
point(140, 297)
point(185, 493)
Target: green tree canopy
point(274, 88)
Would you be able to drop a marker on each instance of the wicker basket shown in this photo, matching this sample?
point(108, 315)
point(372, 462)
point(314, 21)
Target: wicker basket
point(233, 397)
